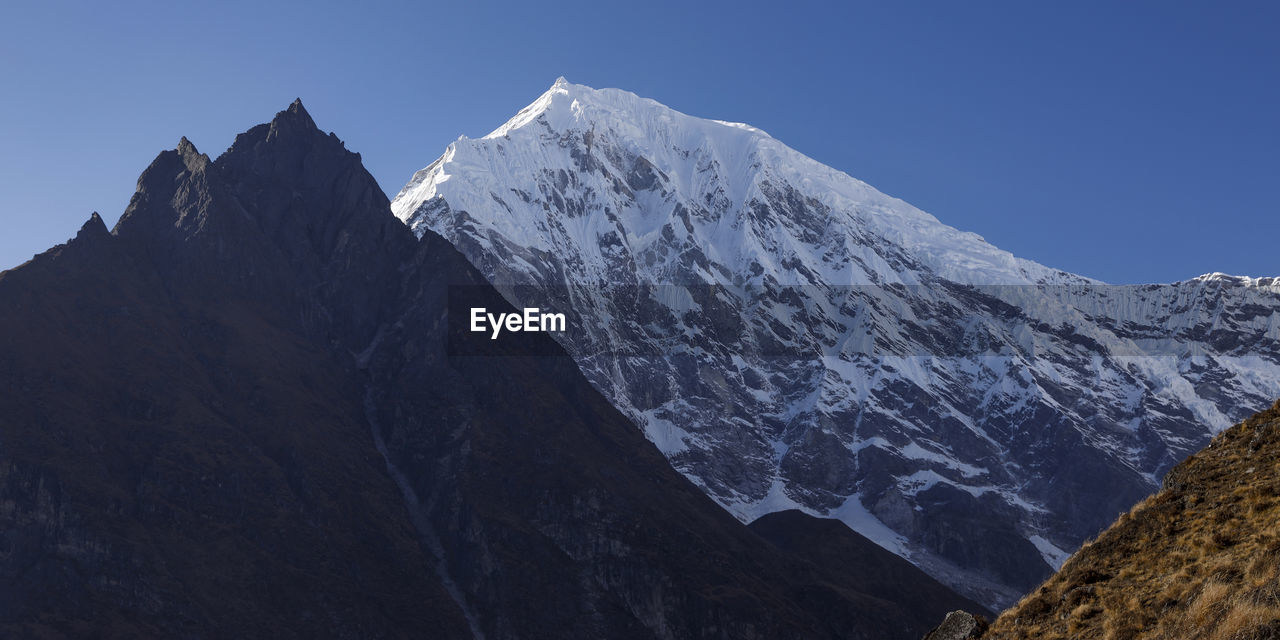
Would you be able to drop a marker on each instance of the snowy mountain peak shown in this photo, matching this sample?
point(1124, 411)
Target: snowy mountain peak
point(566, 106)
point(638, 170)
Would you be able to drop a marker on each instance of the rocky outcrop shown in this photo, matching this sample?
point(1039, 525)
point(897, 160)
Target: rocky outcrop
point(959, 625)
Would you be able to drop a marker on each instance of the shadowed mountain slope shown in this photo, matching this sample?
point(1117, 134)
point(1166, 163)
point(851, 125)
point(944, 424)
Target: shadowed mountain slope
point(171, 466)
point(828, 545)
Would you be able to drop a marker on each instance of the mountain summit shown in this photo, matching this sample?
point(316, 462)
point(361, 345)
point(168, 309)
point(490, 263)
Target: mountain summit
point(792, 338)
point(721, 167)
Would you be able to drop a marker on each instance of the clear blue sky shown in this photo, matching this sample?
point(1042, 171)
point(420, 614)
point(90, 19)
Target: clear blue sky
point(1131, 142)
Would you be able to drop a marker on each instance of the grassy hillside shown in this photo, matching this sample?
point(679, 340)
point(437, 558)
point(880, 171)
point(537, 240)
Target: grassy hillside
point(1198, 560)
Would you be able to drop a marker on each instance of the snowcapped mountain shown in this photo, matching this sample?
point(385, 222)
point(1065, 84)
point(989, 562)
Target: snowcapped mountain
point(792, 338)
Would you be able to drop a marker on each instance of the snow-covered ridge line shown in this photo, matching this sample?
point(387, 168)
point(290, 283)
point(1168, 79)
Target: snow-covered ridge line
point(649, 129)
point(1262, 282)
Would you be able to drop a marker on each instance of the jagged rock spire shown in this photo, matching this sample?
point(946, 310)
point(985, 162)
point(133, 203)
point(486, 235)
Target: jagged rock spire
point(94, 226)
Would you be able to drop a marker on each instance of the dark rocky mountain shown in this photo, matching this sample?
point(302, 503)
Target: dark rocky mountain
point(181, 455)
point(237, 414)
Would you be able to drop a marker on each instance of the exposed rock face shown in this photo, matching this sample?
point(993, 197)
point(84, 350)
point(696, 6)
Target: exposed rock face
point(958, 625)
point(238, 412)
point(1199, 559)
point(792, 338)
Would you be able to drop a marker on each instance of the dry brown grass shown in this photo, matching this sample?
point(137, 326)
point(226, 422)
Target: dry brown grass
point(1200, 560)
